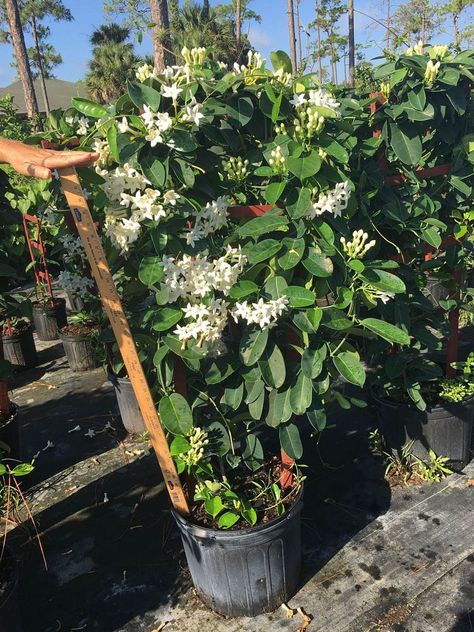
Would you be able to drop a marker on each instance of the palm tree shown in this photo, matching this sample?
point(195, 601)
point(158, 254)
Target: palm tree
point(24, 70)
point(112, 64)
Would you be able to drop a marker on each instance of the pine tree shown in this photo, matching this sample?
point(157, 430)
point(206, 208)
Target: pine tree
point(455, 8)
point(161, 34)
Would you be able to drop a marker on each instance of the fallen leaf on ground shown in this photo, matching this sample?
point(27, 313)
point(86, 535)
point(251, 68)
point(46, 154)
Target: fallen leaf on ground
point(470, 482)
point(290, 612)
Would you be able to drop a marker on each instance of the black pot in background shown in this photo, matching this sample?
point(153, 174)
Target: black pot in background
point(79, 352)
point(248, 571)
point(20, 349)
point(446, 429)
point(9, 603)
point(10, 433)
point(436, 292)
point(132, 418)
point(49, 320)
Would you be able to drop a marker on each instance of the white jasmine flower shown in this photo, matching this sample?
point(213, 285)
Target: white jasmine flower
point(90, 433)
point(170, 197)
point(431, 71)
point(48, 446)
point(298, 100)
point(171, 92)
point(75, 283)
point(334, 201)
point(123, 126)
point(75, 429)
point(439, 51)
point(192, 112)
point(106, 498)
point(264, 314)
point(208, 220)
point(207, 322)
point(83, 126)
point(323, 98)
point(143, 72)
point(358, 247)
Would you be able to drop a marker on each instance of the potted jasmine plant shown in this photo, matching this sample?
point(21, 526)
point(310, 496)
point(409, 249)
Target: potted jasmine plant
point(224, 288)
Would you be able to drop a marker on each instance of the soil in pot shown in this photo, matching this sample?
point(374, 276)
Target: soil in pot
point(78, 346)
point(19, 345)
point(130, 413)
point(49, 317)
point(248, 571)
point(445, 428)
point(9, 605)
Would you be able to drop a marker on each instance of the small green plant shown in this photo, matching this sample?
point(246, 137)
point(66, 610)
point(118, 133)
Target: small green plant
point(408, 467)
point(459, 388)
point(435, 470)
point(375, 441)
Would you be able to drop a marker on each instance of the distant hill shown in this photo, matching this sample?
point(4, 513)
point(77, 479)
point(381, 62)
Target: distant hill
point(60, 94)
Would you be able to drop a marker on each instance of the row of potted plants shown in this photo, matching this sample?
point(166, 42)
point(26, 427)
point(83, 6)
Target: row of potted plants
point(271, 243)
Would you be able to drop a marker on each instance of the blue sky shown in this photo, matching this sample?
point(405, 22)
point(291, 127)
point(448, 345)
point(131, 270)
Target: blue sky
point(71, 39)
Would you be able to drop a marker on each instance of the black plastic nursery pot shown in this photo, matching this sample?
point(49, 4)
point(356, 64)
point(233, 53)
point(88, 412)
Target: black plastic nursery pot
point(245, 572)
point(10, 433)
point(79, 351)
point(19, 348)
point(9, 603)
point(446, 429)
point(132, 418)
point(49, 319)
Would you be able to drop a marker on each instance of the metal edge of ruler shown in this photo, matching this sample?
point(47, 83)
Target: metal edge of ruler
point(114, 310)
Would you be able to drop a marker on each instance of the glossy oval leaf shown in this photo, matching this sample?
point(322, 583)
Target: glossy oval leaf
point(176, 414)
point(150, 270)
point(253, 453)
point(252, 345)
point(272, 366)
point(387, 331)
point(350, 367)
point(290, 441)
point(301, 394)
point(165, 318)
point(299, 296)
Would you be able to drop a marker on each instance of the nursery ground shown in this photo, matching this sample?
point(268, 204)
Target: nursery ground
point(374, 558)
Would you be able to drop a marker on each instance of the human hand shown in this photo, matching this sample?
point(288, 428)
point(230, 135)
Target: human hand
point(38, 163)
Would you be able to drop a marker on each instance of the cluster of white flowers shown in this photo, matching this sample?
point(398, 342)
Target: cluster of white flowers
point(236, 168)
point(171, 92)
point(144, 72)
point(264, 314)
point(385, 89)
point(157, 123)
point(72, 247)
point(208, 220)
point(334, 201)
point(195, 56)
point(75, 283)
point(198, 439)
point(319, 97)
point(277, 160)
point(280, 76)
point(192, 278)
point(207, 322)
point(358, 247)
point(102, 148)
point(82, 124)
point(192, 112)
point(431, 72)
point(254, 62)
point(129, 188)
point(382, 296)
point(439, 51)
point(415, 50)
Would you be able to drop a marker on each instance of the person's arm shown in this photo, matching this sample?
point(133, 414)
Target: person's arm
point(32, 161)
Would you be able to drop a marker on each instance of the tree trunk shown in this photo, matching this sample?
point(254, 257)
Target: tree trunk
point(388, 24)
point(238, 25)
point(34, 34)
point(161, 34)
point(320, 61)
point(205, 6)
point(456, 28)
point(298, 25)
point(350, 13)
point(291, 31)
point(24, 70)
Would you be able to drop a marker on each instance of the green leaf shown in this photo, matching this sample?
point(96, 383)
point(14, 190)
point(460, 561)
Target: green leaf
point(272, 366)
point(153, 169)
point(160, 354)
point(387, 331)
point(252, 345)
point(336, 319)
point(308, 320)
point(228, 519)
point(431, 236)
point(112, 135)
point(406, 143)
point(250, 515)
point(296, 209)
point(165, 318)
point(219, 441)
point(141, 94)
point(415, 395)
point(184, 172)
point(292, 253)
point(253, 453)
point(175, 414)
point(220, 369)
point(274, 191)
point(316, 415)
point(22, 469)
point(279, 409)
point(179, 445)
point(301, 394)
point(254, 390)
point(256, 407)
point(275, 287)
point(240, 111)
point(263, 225)
point(299, 296)
point(243, 289)
point(290, 441)
point(150, 270)
point(88, 107)
point(233, 396)
point(304, 166)
point(384, 281)
point(417, 98)
point(280, 59)
point(213, 506)
point(318, 264)
point(262, 250)
point(312, 361)
point(350, 367)
point(190, 353)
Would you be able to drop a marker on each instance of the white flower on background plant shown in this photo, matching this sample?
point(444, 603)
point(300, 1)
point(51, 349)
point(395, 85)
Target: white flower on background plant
point(333, 201)
point(207, 322)
point(262, 313)
point(75, 283)
point(123, 126)
point(144, 72)
point(439, 51)
point(90, 433)
point(170, 197)
point(171, 92)
point(192, 112)
point(83, 126)
point(208, 220)
point(72, 246)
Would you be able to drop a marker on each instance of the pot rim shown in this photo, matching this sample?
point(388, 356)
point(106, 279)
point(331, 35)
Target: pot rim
point(223, 534)
point(74, 337)
point(112, 377)
point(23, 332)
point(393, 404)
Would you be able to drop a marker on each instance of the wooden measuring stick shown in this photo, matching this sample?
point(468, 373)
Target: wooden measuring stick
point(114, 310)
